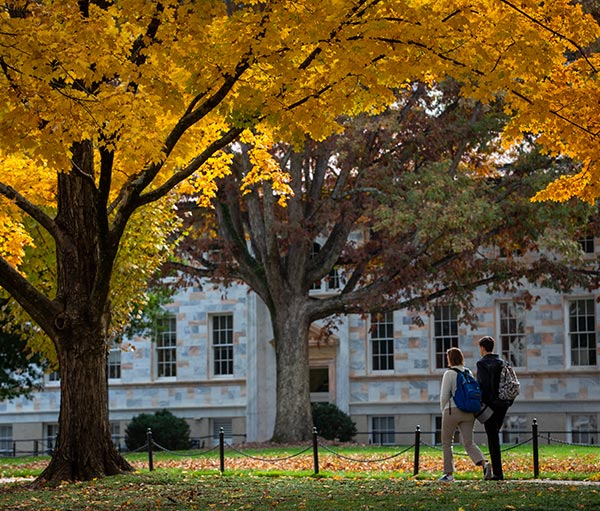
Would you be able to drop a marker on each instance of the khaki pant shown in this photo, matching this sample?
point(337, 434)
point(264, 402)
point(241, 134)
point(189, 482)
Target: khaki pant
point(464, 422)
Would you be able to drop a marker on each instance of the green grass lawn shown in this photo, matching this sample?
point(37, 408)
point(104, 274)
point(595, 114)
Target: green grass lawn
point(346, 481)
point(167, 489)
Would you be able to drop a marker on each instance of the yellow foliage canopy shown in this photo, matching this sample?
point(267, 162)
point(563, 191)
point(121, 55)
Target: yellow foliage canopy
point(164, 87)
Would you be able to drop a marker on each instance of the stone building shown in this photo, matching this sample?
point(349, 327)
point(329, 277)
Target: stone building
point(212, 362)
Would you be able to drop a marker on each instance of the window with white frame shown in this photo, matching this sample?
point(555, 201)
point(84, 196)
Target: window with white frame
point(582, 332)
point(51, 432)
point(54, 376)
point(514, 429)
point(382, 341)
point(114, 363)
point(319, 383)
point(333, 279)
point(166, 347)
point(314, 250)
point(227, 426)
point(222, 345)
point(6, 439)
point(587, 244)
point(512, 332)
point(383, 431)
point(445, 332)
point(115, 433)
point(584, 429)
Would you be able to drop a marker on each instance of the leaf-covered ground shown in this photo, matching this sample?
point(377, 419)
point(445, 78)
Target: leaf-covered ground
point(167, 490)
point(555, 462)
point(350, 479)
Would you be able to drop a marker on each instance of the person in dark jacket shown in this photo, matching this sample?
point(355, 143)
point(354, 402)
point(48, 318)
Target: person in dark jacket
point(488, 376)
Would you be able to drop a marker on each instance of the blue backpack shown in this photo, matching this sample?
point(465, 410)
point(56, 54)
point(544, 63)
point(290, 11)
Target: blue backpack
point(468, 393)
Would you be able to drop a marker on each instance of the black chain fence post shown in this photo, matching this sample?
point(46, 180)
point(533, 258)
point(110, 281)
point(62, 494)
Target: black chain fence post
point(536, 452)
point(315, 451)
point(417, 449)
point(222, 450)
point(150, 442)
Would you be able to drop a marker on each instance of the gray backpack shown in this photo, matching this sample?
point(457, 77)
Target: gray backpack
point(509, 386)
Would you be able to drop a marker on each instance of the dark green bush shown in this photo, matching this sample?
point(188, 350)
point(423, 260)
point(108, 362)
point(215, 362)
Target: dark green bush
point(332, 423)
point(168, 431)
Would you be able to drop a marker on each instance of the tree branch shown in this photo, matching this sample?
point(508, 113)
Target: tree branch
point(553, 32)
point(30, 209)
point(192, 167)
point(41, 309)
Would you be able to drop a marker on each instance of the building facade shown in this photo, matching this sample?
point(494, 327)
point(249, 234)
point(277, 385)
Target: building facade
point(212, 362)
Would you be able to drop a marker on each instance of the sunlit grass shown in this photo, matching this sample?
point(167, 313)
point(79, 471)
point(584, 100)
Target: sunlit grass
point(175, 490)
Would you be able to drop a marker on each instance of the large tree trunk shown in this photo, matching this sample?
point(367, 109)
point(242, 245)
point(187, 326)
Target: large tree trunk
point(84, 257)
point(84, 448)
point(293, 421)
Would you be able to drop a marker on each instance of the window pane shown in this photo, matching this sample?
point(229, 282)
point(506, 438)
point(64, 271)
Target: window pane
point(114, 363)
point(582, 332)
point(445, 328)
point(382, 430)
point(222, 344)
point(319, 379)
point(512, 333)
point(333, 279)
point(227, 426)
point(166, 347)
point(51, 436)
point(514, 429)
point(584, 429)
point(6, 439)
point(587, 244)
point(382, 341)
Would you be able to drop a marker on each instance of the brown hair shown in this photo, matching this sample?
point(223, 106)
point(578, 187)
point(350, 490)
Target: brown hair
point(487, 343)
point(455, 357)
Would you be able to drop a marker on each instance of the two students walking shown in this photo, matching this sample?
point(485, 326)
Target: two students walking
point(453, 418)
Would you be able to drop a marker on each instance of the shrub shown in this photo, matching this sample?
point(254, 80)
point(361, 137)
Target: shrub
point(168, 431)
point(332, 423)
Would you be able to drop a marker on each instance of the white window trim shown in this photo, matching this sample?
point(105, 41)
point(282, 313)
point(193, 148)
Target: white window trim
point(7, 439)
point(155, 351)
point(498, 329)
point(113, 349)
point(571, 427)
point(383, 433)
point(370, 348)
point(222, 422)
point(211, 351)
point(567, 338)
point(433, 342)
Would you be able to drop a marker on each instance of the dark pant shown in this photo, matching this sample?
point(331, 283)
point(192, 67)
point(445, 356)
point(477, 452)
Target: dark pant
point(492, 429)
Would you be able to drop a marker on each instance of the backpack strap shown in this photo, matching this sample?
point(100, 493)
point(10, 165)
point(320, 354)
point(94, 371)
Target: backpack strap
point(466, 371)
point(457, 371)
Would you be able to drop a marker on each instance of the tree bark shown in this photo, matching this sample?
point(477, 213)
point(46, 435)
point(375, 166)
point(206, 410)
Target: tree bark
point(293, 421)
point(84, 258)
point(84, 448)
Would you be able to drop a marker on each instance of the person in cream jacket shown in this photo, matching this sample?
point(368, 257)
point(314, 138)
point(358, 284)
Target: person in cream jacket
point(453, 418)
